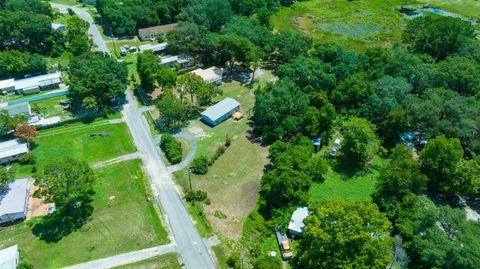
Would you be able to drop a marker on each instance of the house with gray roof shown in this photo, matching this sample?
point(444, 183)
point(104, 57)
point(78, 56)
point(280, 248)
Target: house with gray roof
point(296, 225)
point(220, 111)
point(9, 257)
point(16, 109)
point(11, 150)
point(14, 201)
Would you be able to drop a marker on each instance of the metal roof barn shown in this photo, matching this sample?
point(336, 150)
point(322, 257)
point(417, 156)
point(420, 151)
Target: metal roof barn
point(220, 111)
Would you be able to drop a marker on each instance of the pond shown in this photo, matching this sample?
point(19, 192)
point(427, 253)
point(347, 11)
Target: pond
point(412, 12)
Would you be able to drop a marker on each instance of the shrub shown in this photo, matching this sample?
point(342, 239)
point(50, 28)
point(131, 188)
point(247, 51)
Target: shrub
point(266, 262)
point(172, 148)
point(228, 140)
point(220, 150)
point(235, 260)
point(195, 196)
point(199, 165)
point(27, 159)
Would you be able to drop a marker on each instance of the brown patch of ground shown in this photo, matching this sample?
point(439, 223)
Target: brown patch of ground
point(36, 206)
point(155, 94)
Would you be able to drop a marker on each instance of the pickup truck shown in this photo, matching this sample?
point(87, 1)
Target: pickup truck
point(284, 245)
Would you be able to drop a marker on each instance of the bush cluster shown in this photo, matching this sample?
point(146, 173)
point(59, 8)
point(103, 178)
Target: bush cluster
point(172, 149)
point(199, 165)
point(195, 196)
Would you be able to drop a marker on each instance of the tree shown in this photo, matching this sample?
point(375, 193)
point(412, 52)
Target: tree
point(172, 148)
point(26, 133)
point(400, 178)
point(206, 94)
point(199, 165)
point(148, 67)
point(352, 92)
point(286, 47)
point(279, 109)
point(77, 35)
point(318, 168)
point(191, 84)
point(16, 64)
point(439, 160)
point(394, 124)
point(167, 77)
point(359, 141)
point(8, 124)
point(66, 182)
point(345, 234)
point(438, 36)
point(172, 112)
point(5, 177)
point(97, 78)
point(460, 74)
point(212, 14)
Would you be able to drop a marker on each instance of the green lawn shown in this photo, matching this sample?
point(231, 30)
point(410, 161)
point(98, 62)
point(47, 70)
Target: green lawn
point(167, 261)
point(123, 220)
point(354, 24)
point(66, 2)
point(51, 107)
point(344, 184)
point(74, 140)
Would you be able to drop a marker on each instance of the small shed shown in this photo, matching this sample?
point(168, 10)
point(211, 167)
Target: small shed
point(150, 33)
point(59, 27)
point(220, 111)
point(12, 149)
point(14, 201)
point(9, 257)
point(296, 225)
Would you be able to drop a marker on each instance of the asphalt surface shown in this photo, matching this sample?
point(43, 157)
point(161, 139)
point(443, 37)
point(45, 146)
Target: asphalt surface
point(93, 32)
point(125, 258)
point(190, 245)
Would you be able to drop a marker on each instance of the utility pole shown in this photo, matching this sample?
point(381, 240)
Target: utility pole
point(190, 177)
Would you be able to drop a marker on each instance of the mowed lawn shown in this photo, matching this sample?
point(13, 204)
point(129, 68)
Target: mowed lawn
point(340, 183)
point(75, 141)
point(167, 261)
point(123, 219)
point(354, 24)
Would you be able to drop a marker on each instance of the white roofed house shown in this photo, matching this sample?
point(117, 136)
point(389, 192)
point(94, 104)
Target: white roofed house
point(14, 201)
point(37, 83)
point(183, 61)
point(220, 111)
point(150, 33)
point(7, 85)
point(9, 257)
point(213, 75)
point(11, 150)
point(153, 47)
point(296, 225)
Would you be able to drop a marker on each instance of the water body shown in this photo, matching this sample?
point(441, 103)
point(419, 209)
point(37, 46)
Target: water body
point(412, 12)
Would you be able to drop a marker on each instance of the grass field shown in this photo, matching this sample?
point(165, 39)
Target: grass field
point(469, 8)
point(340, 183)
point(74, 140)
point(123, 219)
point(51, 107)
point(233, 180)
point(167, 261)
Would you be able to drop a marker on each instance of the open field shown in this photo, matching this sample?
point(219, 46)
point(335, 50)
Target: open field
point(123, 219)
point(51, 107)
point(233, 181)
point(167, 261)
point(340, 183)
point(74, 140)
point(359, 24)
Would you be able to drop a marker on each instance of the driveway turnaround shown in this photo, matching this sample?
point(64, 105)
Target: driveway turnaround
point(190, 245)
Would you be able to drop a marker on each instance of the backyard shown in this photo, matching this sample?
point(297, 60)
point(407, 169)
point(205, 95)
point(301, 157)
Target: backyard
point(74, 140)
point(123, 219)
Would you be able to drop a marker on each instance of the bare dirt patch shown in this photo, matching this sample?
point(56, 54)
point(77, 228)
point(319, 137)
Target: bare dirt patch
point(36, 206)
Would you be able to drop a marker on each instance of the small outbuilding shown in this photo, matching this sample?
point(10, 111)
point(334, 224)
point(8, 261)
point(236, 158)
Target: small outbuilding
point(150, 33)
point(7, 85)
point(212, 75)
point(9, 257)
point(14, 201)
point(220, 111)
point(11, 150)
point(156, 48)
point(296, 225)
point(59, 27)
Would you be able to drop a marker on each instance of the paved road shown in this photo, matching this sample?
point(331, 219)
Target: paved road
point(125, 258)
point(190, 245)
point(191, 153)
point(93, 32)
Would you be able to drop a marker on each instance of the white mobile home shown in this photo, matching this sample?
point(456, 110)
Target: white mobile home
point(212, 75)
point(9, 257)
point(14, 201)
point(11, 150)
point(296, 225)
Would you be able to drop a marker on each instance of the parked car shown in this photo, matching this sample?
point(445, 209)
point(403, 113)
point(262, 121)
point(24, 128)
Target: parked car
point(123, 51)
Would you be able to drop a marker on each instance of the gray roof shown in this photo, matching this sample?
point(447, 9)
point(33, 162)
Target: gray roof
point(296, 223)
point(19, 108)
point(9, 257)
point(13, 198)
point(221, 108)
point(12, 148)
point(42, 80)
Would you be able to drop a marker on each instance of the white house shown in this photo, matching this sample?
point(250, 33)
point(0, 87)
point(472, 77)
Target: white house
point(7, 85)
point(296, 225)
point(9, 257)
point(151, 33)
point(183, 61)
point(37, 83)
point(153, 47)
point(14, 201)
point(210, 75)
point(12, 149)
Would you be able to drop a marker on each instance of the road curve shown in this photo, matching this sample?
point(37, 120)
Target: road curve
point(93, 32)
point(190, 245)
